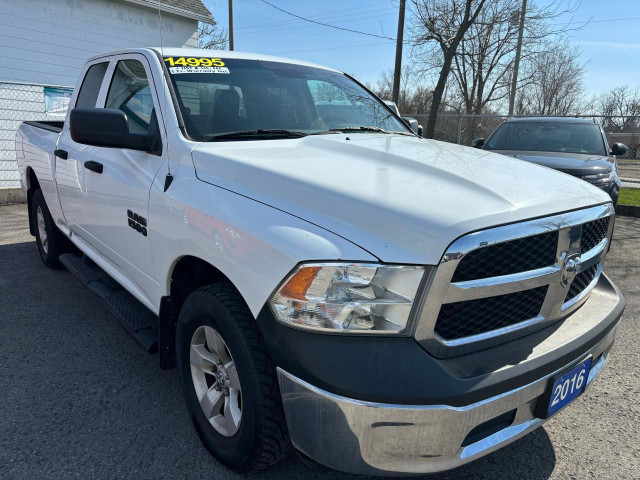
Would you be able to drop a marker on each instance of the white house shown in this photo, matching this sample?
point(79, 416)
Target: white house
point(45, 43)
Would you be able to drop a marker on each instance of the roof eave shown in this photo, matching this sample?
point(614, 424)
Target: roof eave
point(174, 10)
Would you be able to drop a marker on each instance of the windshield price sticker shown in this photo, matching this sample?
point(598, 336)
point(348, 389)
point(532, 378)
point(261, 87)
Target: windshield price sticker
point(175, 70)
point(196, 65)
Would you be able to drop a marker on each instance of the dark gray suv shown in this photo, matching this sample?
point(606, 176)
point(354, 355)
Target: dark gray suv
point(577, 146)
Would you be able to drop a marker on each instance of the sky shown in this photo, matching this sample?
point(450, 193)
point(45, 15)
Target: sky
point(610, 42)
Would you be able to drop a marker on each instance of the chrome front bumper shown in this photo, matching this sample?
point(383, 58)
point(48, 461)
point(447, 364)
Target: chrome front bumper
point(383, 439)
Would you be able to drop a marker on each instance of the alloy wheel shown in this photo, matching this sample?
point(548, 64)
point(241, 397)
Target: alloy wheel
point(216, 381)
point(42, 230)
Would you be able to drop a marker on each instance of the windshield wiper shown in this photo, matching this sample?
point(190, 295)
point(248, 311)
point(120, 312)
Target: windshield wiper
point(366, 129)
point(268, 132)
point(359, 129)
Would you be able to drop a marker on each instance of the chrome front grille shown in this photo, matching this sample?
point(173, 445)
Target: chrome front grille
point(501, 283)
point(464, 319)
point(593, 233)
point(582, 282)
point(506, 258)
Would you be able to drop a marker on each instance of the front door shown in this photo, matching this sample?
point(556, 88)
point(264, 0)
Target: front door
point(116, 217)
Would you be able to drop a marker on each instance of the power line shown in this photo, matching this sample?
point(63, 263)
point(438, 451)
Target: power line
point(299, 25)
point(333, 18)
point(590, 21)
point(319, 16)
point(605, 20)
point(327, 24)
point(331, 48)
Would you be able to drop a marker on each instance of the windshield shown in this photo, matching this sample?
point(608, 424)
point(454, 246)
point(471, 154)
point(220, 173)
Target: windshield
point(548, 137)
point(220, 96)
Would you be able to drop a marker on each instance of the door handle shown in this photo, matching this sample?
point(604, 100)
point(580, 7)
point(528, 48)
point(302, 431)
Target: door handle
point(93, 166)
point(63, 154)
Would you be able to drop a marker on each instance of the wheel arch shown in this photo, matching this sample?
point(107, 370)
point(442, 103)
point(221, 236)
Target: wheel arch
point(31, 179)
point(187, 274)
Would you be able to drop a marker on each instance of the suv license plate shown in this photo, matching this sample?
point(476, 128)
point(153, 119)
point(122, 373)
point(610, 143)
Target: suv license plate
point(567, 386)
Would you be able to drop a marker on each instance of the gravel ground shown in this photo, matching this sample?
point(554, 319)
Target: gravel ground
point(79, 398)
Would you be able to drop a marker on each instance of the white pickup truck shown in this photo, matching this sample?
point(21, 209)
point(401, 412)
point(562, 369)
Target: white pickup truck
point(324, 279)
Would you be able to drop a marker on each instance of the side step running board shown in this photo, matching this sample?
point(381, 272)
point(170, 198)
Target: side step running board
point(138, 320)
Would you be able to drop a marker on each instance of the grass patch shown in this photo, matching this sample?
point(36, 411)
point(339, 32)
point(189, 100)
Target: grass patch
point(629, 196)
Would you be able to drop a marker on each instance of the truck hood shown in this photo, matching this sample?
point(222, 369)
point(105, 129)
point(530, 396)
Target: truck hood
point(403, 199)
point(576, 164)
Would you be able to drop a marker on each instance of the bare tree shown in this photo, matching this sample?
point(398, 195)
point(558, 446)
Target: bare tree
point(414, 97)
point(482, 66)
point(555, 82)
point(620, 108)
point(418, 100)
point(211, 35)
point(444, 22)
point(384, 85)
point(484, 63)
point(484, 60)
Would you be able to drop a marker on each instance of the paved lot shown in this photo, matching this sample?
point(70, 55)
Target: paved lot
point(629, 172)
point(79, 398)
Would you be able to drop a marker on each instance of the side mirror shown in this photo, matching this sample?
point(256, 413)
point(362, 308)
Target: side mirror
point(392, 106)
point(618, 149)
point(412, 123)
point(478, 143)
point(107, 127)
point(420, 130)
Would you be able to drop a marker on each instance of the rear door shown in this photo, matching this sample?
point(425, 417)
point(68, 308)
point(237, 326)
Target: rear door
point(116, 214)
point(70, 172)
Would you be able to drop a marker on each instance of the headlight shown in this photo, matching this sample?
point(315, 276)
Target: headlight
point(348, 297)
point(599, 178)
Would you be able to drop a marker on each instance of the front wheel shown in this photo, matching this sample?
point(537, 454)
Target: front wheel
point(229, 381)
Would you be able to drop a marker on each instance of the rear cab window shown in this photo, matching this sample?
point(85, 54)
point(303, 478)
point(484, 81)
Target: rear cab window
point(90, 88)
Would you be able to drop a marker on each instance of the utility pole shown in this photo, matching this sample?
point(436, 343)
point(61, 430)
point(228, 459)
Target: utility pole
point(516, 63)
point(231, 25)
point(395, 95)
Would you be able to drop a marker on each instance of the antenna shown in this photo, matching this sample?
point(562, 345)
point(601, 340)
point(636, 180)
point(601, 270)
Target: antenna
point(169, 178)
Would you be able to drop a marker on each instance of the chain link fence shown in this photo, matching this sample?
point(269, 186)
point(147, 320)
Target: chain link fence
point(19, 102)
point(463, 129)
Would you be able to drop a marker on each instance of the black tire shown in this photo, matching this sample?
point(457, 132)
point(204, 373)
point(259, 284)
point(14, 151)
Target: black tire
point(55, 243)
point(262, 438)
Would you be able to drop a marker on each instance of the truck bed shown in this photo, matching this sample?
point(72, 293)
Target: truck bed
point(35, 143)
point(51, 125)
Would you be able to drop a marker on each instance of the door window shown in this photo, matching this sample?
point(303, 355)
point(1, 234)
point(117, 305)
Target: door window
point(130, 92)
point(88, 94)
